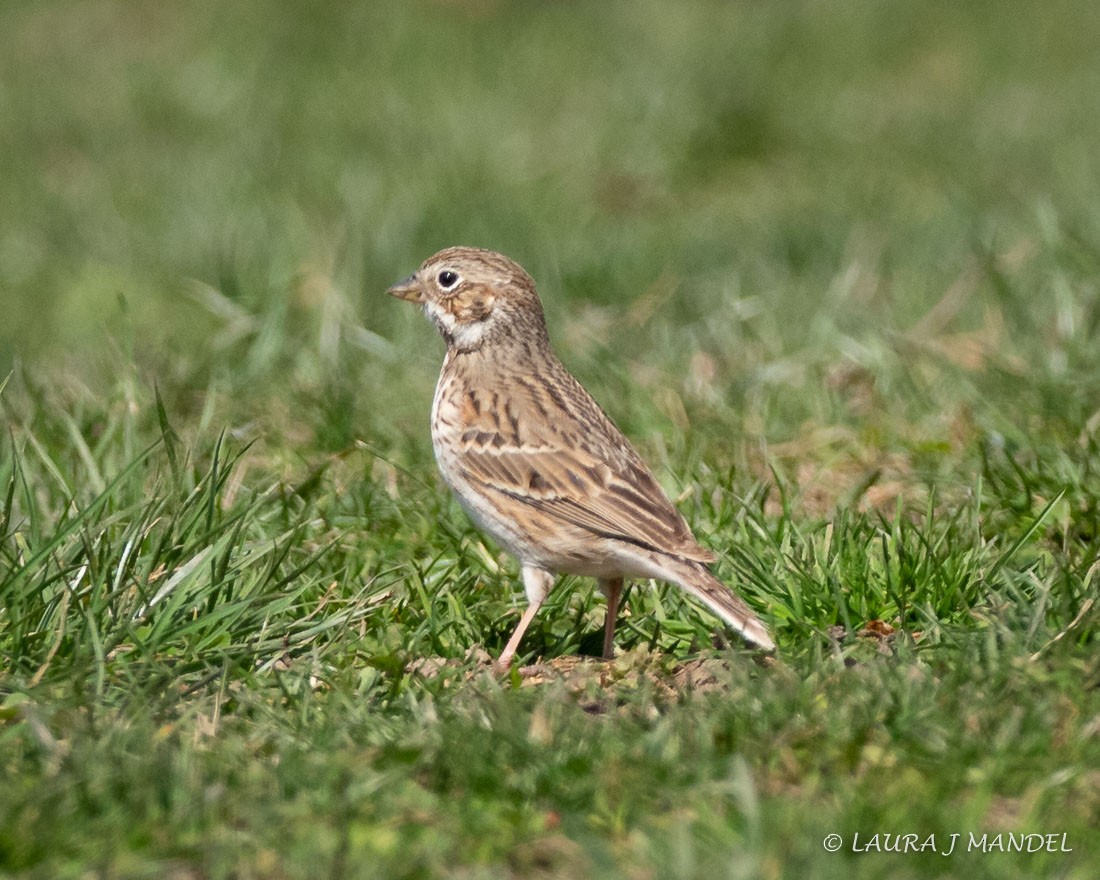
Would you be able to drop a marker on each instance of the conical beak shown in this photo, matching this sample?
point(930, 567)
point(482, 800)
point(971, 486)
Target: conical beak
point(408, 289)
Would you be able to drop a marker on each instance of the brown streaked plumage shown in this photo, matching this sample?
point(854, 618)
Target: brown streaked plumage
point(536, 461)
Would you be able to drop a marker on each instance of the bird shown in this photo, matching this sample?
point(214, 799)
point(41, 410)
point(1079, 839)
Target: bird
point(536, 462)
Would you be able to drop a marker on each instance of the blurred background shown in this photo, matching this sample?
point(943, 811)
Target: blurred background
point(722, 202)
point(834, 268)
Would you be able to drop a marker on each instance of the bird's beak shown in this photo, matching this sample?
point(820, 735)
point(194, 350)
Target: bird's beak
point(408, 289)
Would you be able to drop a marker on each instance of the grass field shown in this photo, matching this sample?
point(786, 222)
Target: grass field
point(833, 267)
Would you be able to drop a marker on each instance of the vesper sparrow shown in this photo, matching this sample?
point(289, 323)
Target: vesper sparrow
point(535, 461)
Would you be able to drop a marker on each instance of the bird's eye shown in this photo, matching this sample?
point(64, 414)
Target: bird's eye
point(447, 279)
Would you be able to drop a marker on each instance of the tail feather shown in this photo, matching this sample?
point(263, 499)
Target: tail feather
point(697, 580)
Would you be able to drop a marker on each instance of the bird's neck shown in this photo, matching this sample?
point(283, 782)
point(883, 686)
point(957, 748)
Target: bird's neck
point(502, 356)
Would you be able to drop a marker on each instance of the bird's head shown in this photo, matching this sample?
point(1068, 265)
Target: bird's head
point(475, 297)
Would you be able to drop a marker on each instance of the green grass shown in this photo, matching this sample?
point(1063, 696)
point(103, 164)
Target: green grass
point(833, 267)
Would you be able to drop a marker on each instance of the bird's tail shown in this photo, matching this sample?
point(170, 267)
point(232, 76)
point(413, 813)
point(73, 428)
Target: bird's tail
point(696, 579)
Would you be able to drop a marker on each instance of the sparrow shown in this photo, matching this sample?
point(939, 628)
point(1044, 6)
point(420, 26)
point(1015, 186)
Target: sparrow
point(535, 461)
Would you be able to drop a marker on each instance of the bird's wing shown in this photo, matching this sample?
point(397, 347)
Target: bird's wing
point(580, 470)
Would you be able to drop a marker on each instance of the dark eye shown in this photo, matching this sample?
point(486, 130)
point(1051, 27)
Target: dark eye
point(447, 279)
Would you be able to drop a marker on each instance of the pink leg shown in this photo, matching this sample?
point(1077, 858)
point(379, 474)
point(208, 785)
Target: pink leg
point(613, 589)
point(505, 659)
point(536, 584)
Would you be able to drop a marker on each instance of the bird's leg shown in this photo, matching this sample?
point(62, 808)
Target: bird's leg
point(536, 584)
point(613, 589)
point(505, 659)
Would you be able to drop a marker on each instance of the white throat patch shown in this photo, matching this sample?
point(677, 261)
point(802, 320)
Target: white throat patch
point(462, 335)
